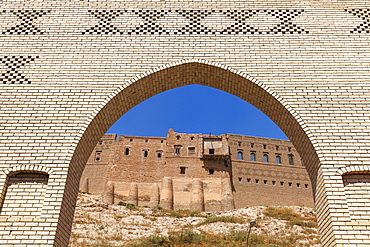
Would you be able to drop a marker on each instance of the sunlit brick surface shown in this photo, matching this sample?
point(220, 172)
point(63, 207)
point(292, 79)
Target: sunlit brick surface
point(24, 195)
point(70, 69)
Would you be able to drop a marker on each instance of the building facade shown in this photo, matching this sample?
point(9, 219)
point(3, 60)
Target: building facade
point(203, 172)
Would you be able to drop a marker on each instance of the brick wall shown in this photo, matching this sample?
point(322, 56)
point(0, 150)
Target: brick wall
point(67, 76)
point(280, 179)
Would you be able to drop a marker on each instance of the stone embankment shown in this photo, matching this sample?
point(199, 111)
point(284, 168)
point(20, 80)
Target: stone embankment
point(97, 223)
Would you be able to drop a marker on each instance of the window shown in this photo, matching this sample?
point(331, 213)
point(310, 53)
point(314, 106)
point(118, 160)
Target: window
point(100, 142)
point(145, 153)
point(239, 179)
point(252, 145)
point(253, 156)
point(298, 185)
point(248, 180)
point(278, 159)
point(97, 155)
point(159, 155)
point(264, 146)
point(177, 150)
point(290, 158)
point(273, 182)
point(306, 186)
point(191, 150)
point(146, 140)
point(191, 138)
point(266, 158)
point(265, 181)
point(178, 137)
point(182, 170)
point(127, 151)
point(290, 184)
point(289, 149)
point(239, 144)
point(240, 155)
point(211, 171)
point(130, 140)
point(211, 151)
point(257, 181)
point(161, 141)
point(277, 148)
point(282, 183)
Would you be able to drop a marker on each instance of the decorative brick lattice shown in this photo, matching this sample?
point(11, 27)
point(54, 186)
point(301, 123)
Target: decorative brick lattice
point(240, 27)
point(105, 25)
point(26, 25)
point(150, 25)
point(194, 26)
point(364, 14)
point(14, 64)
point(286, 25)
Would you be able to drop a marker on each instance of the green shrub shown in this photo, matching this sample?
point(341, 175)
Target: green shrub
point(157, 207)
point(130, 206)
point(121, 203)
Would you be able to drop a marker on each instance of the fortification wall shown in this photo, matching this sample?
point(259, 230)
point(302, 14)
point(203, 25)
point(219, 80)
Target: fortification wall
point(138, 166)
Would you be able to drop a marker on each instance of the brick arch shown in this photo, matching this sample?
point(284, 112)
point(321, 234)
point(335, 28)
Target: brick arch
point(176, 75)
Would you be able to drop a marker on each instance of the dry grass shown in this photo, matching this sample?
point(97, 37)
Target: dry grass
point(234, 239)
point(292, 217)
point(98, 225)
point(185, 213)
point(226, 219)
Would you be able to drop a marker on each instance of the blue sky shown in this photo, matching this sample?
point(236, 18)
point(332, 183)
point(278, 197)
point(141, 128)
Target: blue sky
point(195, 109)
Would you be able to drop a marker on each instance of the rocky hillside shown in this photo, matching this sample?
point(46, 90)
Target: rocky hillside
point(98, 224)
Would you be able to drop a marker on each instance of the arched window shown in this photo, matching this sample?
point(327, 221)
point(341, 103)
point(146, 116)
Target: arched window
point(240, 155)
point(290, 158)
point(145, 153)
point(127, 151)
point(253, 156)
point(278, 159)
point(266, 158)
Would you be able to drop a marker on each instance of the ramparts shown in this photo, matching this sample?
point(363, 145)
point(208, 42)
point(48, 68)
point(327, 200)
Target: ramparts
point(196, 171)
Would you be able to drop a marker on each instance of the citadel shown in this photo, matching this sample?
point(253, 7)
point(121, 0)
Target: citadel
point(197, 171)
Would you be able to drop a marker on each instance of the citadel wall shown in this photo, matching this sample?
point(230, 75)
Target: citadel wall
point(222, 172)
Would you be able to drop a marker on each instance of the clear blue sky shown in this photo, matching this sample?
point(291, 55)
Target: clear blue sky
point(196, 109)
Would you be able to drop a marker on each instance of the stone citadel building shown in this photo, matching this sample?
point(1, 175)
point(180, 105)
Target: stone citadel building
point(196, 171)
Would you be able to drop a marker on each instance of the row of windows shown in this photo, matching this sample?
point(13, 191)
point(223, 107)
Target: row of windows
point(265, 146)
point(145, 153)
point(179, 137)
point(210, 171)
point(257, 181)
point(252, 157)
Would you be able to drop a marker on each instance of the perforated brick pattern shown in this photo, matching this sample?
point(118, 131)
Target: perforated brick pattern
point(14, 64)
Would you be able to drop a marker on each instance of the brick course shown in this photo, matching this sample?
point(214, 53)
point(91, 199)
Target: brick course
point(67, 76)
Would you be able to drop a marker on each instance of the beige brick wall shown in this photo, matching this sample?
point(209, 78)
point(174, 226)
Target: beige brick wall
point(67, 76)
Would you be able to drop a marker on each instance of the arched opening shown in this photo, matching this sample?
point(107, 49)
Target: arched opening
point(218, 77)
